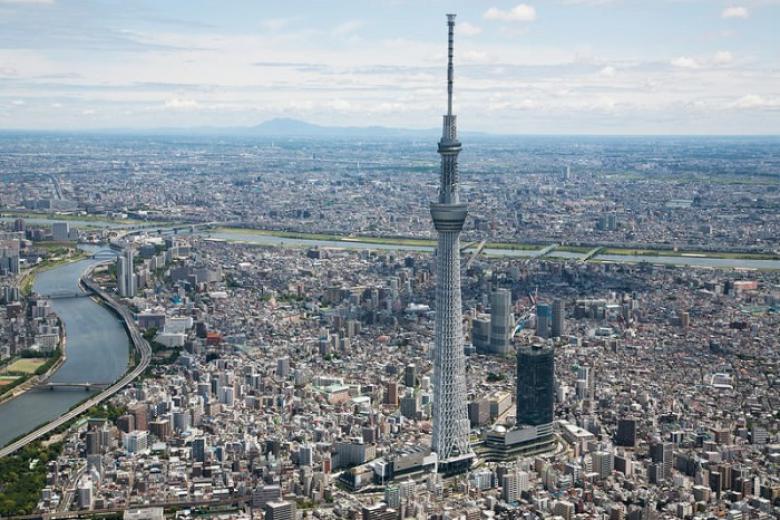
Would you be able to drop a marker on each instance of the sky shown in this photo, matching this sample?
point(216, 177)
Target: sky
point(532, 67)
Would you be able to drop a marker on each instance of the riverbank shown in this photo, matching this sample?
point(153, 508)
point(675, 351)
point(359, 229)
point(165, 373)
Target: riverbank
point(27, 381)
point(512, 246)
point(84, 219)
point(27, 280)
point(97, 351)
point(130, 372)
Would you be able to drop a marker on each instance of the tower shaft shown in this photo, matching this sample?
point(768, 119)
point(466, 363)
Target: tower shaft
point(450, 438)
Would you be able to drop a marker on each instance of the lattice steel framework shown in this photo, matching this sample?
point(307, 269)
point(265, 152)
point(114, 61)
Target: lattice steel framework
point(450, 417)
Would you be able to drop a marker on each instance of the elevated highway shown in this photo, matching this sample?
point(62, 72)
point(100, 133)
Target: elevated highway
point(139, 343)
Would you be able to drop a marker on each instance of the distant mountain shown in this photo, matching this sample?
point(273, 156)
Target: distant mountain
point(277, 127)
point(286, 127)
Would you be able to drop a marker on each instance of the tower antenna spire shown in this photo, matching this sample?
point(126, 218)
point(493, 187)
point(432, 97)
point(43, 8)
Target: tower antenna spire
point(451, 50)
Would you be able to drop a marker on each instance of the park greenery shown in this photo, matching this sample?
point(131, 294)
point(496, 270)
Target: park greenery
point(23, 477)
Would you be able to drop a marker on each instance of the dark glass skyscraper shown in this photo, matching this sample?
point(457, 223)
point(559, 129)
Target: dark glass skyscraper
point(535, 385)
point(543, 316)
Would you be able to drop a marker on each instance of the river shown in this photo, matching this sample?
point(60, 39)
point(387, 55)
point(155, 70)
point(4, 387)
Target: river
point(685, 261)
point(97, 352)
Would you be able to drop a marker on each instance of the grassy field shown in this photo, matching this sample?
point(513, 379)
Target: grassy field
point(575, 249)
point(393, 241)
point(691, 254)
point(64, 217)
point(26, 365)
point(26, 284)
point(498, 245)
point(7, 380)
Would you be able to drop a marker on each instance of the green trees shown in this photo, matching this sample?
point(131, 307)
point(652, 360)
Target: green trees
point(23, 478)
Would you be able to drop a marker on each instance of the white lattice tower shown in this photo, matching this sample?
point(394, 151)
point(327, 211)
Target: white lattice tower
point(450, 417)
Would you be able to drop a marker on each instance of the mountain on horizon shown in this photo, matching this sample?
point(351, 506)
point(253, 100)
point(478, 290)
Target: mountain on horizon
point(284, 126)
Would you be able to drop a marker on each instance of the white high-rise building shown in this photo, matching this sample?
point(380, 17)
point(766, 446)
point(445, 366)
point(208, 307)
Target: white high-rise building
point(136, 441)
point(510, 488)
point(603, 463)
point(125, 275)
point(130, 273)
point(501, 321)
point(121, 276)
point(450, 439)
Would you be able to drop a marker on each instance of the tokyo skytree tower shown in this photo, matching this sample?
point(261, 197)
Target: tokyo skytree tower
point(450, 438)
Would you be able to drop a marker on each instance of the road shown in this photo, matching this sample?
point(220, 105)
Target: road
point(138, 342)
point(70, 492)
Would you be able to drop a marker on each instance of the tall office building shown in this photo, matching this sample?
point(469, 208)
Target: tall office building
point(480, 335)
point(131, 286)
point(121, 275)
point(543, 320)
point(60, 231)
point(125, 276)
point(558, 327)
point(626, 432)
point(501, 321)
point(603, 463)
point(510, 488)
point(535, 385)
point(199, 449)
point(450, 439)
point(662, 453)
point(410, 376)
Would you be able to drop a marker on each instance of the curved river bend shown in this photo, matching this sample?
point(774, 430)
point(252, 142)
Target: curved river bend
point(97, 352)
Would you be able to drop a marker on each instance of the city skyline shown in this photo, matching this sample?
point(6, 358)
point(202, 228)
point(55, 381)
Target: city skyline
point(549, 67)
point(293, 321)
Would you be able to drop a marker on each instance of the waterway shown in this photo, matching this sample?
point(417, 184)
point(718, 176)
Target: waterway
point(684, 261)
point(97, 352)
point(42, 220)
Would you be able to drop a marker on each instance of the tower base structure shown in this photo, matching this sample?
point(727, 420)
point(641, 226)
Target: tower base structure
point(455, 465)
point(502, 445)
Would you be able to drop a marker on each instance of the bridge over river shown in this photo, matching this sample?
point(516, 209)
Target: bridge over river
point(88, 387)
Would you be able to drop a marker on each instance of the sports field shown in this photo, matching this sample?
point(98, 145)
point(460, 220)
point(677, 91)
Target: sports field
point(26, 365)
point(7, 380)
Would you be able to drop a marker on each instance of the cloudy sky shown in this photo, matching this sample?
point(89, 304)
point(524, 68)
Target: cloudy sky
point(545, 66)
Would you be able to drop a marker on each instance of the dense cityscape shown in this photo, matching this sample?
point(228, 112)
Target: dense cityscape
point(299, 326)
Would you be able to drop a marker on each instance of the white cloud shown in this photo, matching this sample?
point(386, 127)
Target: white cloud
point(472, 56)
point(519, 13)
point(56, 105)
point(179, 103)
point(17, 102)
point(347, 27)
point(753, 102)
point(735, 12)
point(608, 71)
point(467, 29)
point(88, 112)
point(722, 58)
point(685, 62)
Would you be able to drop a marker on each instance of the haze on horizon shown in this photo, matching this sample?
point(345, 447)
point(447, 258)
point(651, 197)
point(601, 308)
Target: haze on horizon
point(542, 66)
